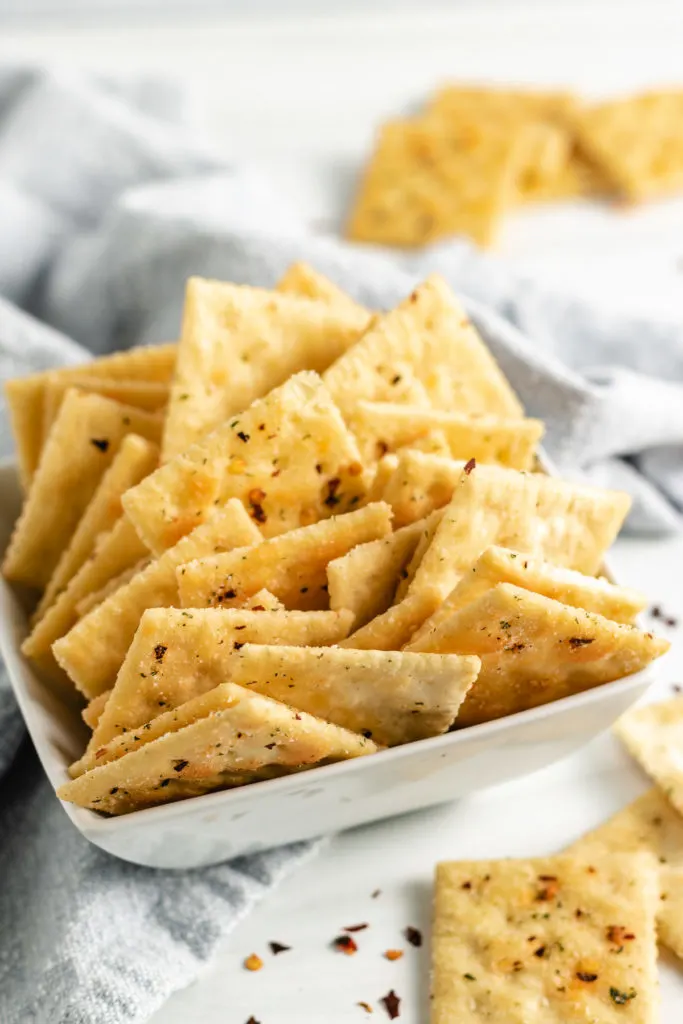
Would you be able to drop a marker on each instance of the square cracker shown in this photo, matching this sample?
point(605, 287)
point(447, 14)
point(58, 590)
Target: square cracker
point(416, 483)
point(364, 580)
point(25, 395)
point(135, 459)
point(237, 343)
point(637, 142)
point(649, 825)
point(150, 395)
point(392, 630)
point(95, 597)
point(93, 650)
point(305, 281)
point(289, 458)
point(569, 524)
point(500, 565)
point(535, 650)
point(82, 445)
point(382, 427)
point(522, 941)
point(654, 736)
point(176, 655)
point(115, 553)
point(428, 180)
point(389, 696)
point(425, 352)
point(92, 712)
point(250, 738)
point(292, 566)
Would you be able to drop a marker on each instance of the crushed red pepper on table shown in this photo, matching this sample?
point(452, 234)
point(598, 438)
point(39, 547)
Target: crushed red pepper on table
point(253, 962)
point(355, 927)
point(413, 935)
point(278, 947)
point(393, 954)
point(345, 944)
point(392, 1004)
point(469, 466)
point(252, 1020)
point(366, 1007)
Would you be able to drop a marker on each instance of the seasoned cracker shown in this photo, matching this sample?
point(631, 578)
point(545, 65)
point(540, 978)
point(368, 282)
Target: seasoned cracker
point(289, 458)
point(392, 630)
point(649, 825)
point(150, 395)
point(292, 566)
point(382, 427)
point(177, 655)
point(93, 650)
point(82, 445)
point(307, 282)
point(92, 712)
point(535, 650)
point(526, 941)
point(425, 352)
point(653, 735)
point(238, 343)
point(135, 459)
point(25, 395)
point(250, 738)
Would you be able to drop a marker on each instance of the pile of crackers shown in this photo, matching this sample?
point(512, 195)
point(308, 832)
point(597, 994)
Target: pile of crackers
point(305, 532)
point(476, 152)
point(572, 937)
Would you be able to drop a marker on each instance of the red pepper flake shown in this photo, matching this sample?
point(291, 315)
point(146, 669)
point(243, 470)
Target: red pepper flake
point(278, 947)
point(100, 443)
point(253, 962)
point(256, 497)
point(355, 927)
point(393, 954)
point(469, 466)
point(363, 1006)
point(345, 944)
point(540, 952)
point(586, 976)
point(159, 652)
point(391, 1003)
point(549, 888)
point(252, 1020)
point(414, 936)
point(617, 934)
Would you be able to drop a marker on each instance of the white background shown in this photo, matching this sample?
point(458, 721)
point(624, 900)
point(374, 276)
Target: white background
point(300, 96)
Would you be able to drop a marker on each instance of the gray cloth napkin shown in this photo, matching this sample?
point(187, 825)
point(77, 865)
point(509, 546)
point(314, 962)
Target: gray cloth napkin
point(109, 199)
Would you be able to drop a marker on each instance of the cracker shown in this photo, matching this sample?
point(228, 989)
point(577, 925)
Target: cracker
point(95, 597)
point(303, 280)
point(134, 460)
point(425, 352)
point(535, 650)
point(431, 524)
point(381, 475)
point(150, 395)
point(522, 941)
point(654, 736)
point(25, 395)
point(82, 444)
point(92, 712)
point(364, 580)
point(292, 566)
point(432, 441)
point(177, 655)
point(250, 738)
point(93, 650)
point(382, 427)
point(393, 629)
point(238, 343)
point(264, 601)
point(649, 825)
point(391, 697)
point(426, 180)
point(115, 553)
point(500, 565)
point(637, 142)
point(566, 523)
point(289, 458)
point(419, 484)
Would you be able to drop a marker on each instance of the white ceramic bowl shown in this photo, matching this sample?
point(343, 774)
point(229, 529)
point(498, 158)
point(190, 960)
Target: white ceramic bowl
point(208, 829)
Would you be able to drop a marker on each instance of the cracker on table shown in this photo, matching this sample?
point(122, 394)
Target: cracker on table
point(653, 734)
point(522, 941)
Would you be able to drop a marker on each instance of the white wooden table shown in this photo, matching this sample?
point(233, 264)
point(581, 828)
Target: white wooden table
point(301, 97)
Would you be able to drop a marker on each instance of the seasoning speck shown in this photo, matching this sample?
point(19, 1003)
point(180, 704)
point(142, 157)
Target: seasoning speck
point(391, 1003)
point(100, 442)
point(621, 998)
point(365, 1006)
point(469, 466)
point(345, 944)
point(393, 954)
point(413, 935)
point(253, 962)
point(355, 927)
point(278, 947)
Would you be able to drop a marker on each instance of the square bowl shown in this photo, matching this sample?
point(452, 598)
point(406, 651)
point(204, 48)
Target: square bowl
point(208, 829)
